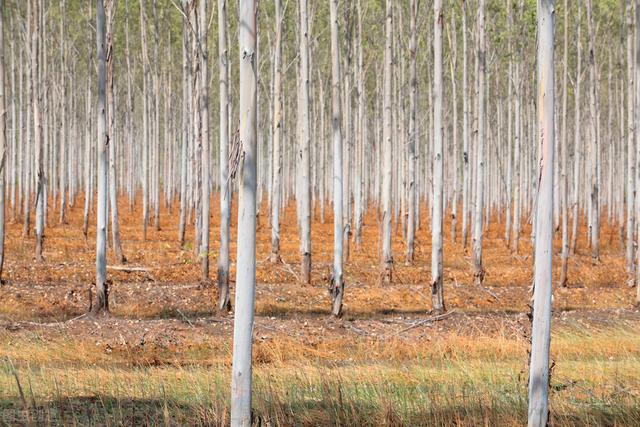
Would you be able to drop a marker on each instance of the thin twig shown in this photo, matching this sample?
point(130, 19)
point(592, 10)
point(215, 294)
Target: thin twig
point(420, 323)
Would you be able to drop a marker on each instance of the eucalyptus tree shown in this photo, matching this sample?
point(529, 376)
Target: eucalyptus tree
point(101, 304)
point(637, 141)
point(437, 283)
point(276, 168)
point(38, 139)
point(466, 171)
point(246, 256)
point(3, 138)
point(387, 165)
point(479, 196)
point(203, 106)
point(225, 186)
point(594, 146)
point(577, 137)
point(564, 184)
point(631, 152)
point(413, 101)
point(111, 114)
point(336, 288)
point(186, 119)
point(304, 145)
point(541, 332)
point(145, 121)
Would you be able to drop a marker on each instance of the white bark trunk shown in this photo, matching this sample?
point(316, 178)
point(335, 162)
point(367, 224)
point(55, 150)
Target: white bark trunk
point(337, 280)
point(541, 332)
point(246, 256)
point(437, 283)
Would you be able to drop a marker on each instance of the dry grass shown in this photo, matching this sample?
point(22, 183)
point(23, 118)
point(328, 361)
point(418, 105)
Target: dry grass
point(164, 355)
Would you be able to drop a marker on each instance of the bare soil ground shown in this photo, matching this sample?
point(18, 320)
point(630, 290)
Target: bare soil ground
point(163, 315)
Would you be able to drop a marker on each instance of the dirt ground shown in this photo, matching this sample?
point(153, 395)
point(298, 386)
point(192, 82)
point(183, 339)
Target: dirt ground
point(166, 307)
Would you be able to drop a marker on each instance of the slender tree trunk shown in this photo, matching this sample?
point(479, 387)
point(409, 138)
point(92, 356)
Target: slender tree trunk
point(145, 122)
point(564, 190)
point(413, 101)
point(203, 105)
point(594, 147)
point(577, 142)
point(111, 113)
point(631, 152)
point(277, 137)
point(454, 131)
point(37, 131)
point(637, 140)
point(246, 257)
point(337, 280)
point(541, 332)
point(387, 146)
point(477, 225)
point(466, 172)
point(224, 303)
point(3, 138)
point(186, 121)
point(101, 304)
point(305, 142)
point(437, 282)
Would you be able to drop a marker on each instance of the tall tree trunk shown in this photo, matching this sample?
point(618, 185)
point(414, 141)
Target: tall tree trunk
point(466, 172)
point(564, 190)
point(479, 201)
point(186, 121)
point(577, 141)
point(246, 257)
point(637, 140)
point(203, 105)
point(594, 147)
point(37, 130)
point(224, 303)
point(111, 113)
point(413, 101)
point(631, 151)
point(454, 131)
point(336, 288)
point(387, 256)
point(102, 294)
point(541, 332)
point(276, 168)
point(437, 282)
point(305, 142)
point(145, 121)
point(3, 140)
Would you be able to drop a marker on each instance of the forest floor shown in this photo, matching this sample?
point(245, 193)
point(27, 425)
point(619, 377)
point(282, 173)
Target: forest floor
point(163, 355)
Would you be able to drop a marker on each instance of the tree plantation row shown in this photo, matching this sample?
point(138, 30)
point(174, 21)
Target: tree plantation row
point(340, 106)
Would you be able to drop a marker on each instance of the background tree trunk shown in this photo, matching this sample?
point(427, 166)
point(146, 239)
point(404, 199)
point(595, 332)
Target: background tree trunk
point(102, 295)
point(224, 302)
point(305, 142)
point(337, 281)
point(387, 146)
point(437, 283)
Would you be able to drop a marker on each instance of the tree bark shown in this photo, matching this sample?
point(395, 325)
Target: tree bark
point(387, 257)
point(246, 257)
point(102, 294)
point(437, 282)
point(3, 138)
point(277, 137)
point(336, 288)
point(224, 302)
point(479, 200)
point(305, 142)
point(541, 332)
